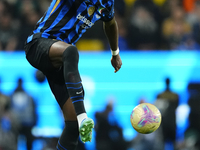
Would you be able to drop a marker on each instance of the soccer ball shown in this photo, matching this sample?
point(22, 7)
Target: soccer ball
point(145, 118)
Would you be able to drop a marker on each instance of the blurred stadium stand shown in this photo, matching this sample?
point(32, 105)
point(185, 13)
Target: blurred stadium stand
point(141, 75)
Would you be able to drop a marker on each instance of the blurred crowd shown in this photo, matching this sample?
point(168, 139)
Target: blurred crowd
point(18, 116)
point(143, 25)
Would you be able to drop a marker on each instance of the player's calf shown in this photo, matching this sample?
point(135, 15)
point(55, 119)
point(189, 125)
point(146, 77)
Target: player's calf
point(69, 137)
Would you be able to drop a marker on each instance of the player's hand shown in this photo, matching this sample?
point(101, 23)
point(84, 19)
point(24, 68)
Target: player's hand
point(116, 62)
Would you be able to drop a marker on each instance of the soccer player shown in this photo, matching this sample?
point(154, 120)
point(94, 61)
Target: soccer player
point(51, 49)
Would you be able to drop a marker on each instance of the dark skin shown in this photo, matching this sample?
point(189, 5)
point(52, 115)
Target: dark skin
point(56, 52)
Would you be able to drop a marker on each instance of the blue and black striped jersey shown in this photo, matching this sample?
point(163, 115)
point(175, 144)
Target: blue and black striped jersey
point(67, 20)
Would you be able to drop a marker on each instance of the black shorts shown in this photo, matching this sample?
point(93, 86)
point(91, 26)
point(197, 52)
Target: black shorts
point(37, 54)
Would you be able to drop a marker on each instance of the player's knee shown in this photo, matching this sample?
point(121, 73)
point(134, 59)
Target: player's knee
point(70, 64)
point(71, 54)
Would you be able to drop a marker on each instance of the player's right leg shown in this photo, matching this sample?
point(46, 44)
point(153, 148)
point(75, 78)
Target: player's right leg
point(69, 137)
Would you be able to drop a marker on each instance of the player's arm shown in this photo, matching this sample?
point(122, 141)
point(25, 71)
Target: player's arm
point(111, 31)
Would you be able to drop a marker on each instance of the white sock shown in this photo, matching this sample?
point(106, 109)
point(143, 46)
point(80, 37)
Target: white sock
point(81, 117)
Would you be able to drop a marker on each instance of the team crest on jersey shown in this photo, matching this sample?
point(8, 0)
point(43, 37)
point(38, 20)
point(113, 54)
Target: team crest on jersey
point(91, 10)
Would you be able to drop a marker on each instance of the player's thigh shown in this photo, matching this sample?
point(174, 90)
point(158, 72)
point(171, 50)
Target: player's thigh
point(56, 53)
point(58, 88)
point(37, 54)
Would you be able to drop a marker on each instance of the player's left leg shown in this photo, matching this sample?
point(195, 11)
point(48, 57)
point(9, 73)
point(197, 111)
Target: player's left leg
point(67, 55)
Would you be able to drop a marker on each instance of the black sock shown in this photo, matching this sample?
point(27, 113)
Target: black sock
point(73, 79)
point(69, 137)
